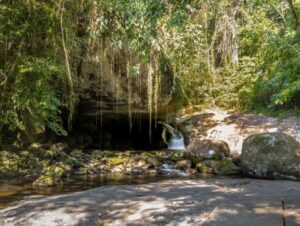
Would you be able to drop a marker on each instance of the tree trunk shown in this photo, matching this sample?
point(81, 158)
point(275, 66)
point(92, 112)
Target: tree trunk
point(1, 135)
point(296, 18)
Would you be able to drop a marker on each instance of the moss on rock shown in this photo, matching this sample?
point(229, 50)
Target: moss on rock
point(51, 175)
point(177, 156)
point(44, 181)
point(268, 155)
point(226, 167)
point(115, 160)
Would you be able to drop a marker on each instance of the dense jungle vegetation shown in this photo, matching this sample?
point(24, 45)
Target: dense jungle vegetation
point(240, 54)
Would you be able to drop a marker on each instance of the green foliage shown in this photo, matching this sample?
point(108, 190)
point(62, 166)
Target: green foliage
point(33, 102)
point(33, 73)
point(281, 87)
point(233, 54)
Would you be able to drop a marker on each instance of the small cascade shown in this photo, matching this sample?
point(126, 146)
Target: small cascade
point(176, 139)
point(176, 142)
point(169, 169)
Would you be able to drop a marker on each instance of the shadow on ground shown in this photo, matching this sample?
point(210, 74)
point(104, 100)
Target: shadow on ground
point(179, 202)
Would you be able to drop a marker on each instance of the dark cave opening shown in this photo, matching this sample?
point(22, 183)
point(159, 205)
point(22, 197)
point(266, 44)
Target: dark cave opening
point(116, 134)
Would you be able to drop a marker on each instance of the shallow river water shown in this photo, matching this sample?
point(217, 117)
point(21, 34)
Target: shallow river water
point(13, 191)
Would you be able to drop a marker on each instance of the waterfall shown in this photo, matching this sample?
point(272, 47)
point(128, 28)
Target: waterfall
point(176, 140)
point(170, 170)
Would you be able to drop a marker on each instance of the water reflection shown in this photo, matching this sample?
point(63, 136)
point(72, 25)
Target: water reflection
point(13, 191)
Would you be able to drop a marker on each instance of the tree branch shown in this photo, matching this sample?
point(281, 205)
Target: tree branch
point(296, 18)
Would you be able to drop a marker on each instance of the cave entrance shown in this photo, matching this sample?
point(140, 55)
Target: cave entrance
point(117, 134)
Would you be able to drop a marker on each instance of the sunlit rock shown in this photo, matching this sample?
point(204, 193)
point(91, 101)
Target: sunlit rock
point(271, 155)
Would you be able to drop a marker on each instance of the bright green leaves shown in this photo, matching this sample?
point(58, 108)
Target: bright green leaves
point(281, 84)
point(33, 102)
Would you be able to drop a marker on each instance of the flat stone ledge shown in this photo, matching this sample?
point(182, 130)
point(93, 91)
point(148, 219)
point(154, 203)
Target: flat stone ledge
point(225, 202)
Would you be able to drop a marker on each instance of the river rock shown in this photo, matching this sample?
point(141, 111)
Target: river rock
point(236, 158)
point(204, 168)
point(177, 156)
point(9, 164)
point(191, 171)
point(118, 169)
point(115, 160)
point(183, 164)
point(137, 170)
point(76, 153)
point(154, 162)
point(226, 167)
point(59, 147)
point(50, 176)
point(272, 156)
point(209, 149)
point(141, 163)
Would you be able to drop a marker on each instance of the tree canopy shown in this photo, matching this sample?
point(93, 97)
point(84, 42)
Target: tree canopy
point(234, 54)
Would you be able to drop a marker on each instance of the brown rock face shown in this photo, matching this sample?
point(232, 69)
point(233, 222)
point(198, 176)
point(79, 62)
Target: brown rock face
point(209, 149)
point(117, 83)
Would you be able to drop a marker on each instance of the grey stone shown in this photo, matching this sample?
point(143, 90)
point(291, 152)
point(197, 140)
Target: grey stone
point(210, 202)
point(271, 155)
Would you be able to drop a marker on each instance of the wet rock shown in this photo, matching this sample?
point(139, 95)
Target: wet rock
point(115, 160)
point(97, 155)
point(154, 162)
point(9, 164)
point(141, 163)
point(236, 158)
point(50, 176)
point(137, 170)
point(146, 155)
point(82, 171)
point(147, 166)
point(55, 150)
point(209, 149)
point(100, 154)
point(44, 181)
point(183, 164)
point(226, 167)
point(191, 171)
point(152, 172)
point(118, 169)
point(77, 153)
point(128, 171)
point(204, 168)
point(36, 146)
point(272, 156)
point(70, 161)
point(177, 156)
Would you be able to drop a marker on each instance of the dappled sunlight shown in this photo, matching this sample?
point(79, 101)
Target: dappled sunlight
point(266, 209)
point(233, 128)
point(147, 209)
point(185, 202)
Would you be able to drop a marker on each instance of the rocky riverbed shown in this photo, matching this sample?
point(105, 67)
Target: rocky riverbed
point(48, 165)
point(259, 147)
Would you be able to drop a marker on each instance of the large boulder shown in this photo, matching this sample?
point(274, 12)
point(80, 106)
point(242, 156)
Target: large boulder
point(272, 156)
point(209, 149)
point(226, 167)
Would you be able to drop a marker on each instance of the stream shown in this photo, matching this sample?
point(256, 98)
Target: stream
point(14, 191)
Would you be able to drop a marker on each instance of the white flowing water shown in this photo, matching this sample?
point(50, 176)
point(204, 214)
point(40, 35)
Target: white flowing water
point(176, 142)
point(169, 169)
